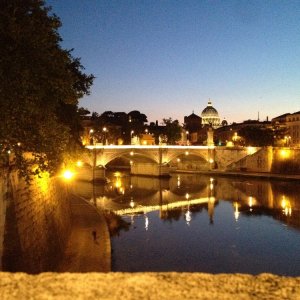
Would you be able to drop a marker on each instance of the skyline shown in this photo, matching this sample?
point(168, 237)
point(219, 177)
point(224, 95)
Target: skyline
point(166, 59)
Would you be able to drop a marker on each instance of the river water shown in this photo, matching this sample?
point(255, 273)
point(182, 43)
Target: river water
point(197, 223)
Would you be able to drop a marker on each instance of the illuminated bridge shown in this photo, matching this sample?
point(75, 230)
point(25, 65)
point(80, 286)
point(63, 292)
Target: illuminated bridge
point(160, 160)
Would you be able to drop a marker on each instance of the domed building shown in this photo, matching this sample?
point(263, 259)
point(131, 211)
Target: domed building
point(210, 116)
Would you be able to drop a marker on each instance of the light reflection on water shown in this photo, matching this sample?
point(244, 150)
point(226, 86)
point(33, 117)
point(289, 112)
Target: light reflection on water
point(198, 223)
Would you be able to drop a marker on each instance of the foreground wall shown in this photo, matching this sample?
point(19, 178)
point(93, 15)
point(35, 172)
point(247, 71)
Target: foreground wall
point(35, 222)
point(160, 286)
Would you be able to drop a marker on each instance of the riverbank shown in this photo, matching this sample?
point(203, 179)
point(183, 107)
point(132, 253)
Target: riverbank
point(273, 176)
point(88, 248)
point(128, 286)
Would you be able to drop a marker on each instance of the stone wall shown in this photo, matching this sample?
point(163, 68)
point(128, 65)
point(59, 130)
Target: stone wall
point(286, 160)
point(35, 222)
point(259, 161)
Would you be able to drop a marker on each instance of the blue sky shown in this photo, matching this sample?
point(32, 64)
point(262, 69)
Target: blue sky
point(167, 58)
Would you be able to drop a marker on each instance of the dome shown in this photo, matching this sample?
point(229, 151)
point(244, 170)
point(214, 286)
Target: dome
point(210, 116)
point(209, 111)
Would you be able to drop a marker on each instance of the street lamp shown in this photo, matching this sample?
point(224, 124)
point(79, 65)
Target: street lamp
point(104, 132)
point(187, 137)
point(91, 138)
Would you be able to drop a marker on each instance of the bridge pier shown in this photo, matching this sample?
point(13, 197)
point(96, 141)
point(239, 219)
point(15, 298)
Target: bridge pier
point(93, 174)
point(150, 169)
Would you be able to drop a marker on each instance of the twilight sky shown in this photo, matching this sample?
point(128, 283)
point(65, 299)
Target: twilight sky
point(167, 58)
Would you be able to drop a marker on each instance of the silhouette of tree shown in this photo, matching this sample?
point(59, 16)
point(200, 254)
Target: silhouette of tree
point(40, 85)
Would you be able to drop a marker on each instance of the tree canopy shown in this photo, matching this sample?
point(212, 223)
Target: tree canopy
point(40, 85)
point(256, 136)
point(172, 130)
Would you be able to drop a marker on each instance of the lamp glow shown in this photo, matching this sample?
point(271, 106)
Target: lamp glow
point(67, 174)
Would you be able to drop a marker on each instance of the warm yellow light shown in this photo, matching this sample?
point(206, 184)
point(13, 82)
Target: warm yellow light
point(144, 142)
point(211, 186)
point(131, 162)
point(187, 196)
point(286, 206)
point(131, 203)
point(250, 201)
point(131, 153)
point(211, 160)
point(250, 150)
point(178, 159)
point(236, 211)
point(118, 183)
point(79, 163)
point(186, 152)
point(67, 174)
point(284, 153)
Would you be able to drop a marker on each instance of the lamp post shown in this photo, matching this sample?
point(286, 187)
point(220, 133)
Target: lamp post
point(187, 137)
point(105, 132)
point(91, 136)
point(131, 135)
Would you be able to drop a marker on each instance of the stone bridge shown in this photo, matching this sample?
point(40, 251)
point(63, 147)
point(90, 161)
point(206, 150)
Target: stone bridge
point(160, 160)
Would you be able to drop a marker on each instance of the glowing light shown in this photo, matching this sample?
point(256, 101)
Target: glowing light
point(187, 196)
point(19, 144)
point(211, 160)
point(178, 159)
point(79, 163)
point(131, 203)
point(211, 179)
point(284, 153)
point(146, 222)
point(250, 201)
point(91, 130)
point(186, 152)
point(286, 206)
point(104, 129)
point(131, 162)
point(188, 217)
point(117, 174)
point(236, 211)
point(250, 150)
point(144, 142)
point(8, 151)
point(131, 153)
point(211, 186)
point(148, 147)
point(68, 175)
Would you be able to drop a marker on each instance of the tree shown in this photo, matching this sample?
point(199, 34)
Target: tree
point(172, 130)
point(255, 136)
point(40, 85)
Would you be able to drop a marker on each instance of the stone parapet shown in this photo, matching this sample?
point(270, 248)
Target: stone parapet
point(160, 286)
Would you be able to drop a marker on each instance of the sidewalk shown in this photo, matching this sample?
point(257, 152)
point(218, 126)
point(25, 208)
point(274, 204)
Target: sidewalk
point(84, 253)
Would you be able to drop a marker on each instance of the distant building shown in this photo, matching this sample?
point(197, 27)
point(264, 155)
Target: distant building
point(293, 130)
point(210, 116)
point(279, 126)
